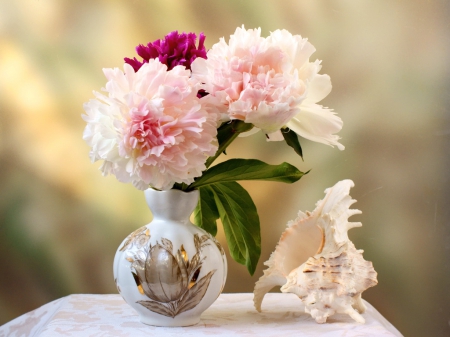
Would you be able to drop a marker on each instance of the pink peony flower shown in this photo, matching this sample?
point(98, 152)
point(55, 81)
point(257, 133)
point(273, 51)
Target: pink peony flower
point(151, 129)
point(175, 49)
point(270, 83)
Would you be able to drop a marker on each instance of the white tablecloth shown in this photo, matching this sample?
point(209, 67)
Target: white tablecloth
point(230, 315)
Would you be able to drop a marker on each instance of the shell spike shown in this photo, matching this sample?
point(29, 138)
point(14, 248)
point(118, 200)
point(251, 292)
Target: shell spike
point(351, 225)
point(355, 315)
point(353, 212)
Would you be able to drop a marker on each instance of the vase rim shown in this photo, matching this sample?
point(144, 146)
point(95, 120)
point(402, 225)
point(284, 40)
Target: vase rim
point(173, 204)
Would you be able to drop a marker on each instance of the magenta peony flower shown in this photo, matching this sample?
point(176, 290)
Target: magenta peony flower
point(175, 49)
point(151, 129)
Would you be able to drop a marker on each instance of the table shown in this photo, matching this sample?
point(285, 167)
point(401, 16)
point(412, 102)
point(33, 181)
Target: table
point(231, 315)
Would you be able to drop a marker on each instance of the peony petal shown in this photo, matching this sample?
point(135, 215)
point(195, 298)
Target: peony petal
point(319, 88)
point(318, 124)
point(276, 136)
point(249, 133)
point(199, 68)
point(270, 118)
point(297, 49)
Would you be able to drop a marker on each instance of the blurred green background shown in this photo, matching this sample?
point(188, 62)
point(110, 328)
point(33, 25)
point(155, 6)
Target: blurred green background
point(61, 221)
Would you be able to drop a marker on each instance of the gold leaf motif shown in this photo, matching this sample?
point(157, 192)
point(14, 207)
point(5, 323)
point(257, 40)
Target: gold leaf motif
point(171, 281)
point(159, 308)
point(217, 243)
point(184, 254)
point(195, 294)
point(164, 276)
point(138, 283)
point(219, 246)
point(167, 244)
point(194, 277)
point(189, 301)
point(194, 263)
point(197, 242)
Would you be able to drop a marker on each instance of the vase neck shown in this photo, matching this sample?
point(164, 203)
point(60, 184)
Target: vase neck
point(172, 204)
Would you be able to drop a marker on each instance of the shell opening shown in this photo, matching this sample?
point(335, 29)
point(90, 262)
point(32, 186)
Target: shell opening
point(308, 241)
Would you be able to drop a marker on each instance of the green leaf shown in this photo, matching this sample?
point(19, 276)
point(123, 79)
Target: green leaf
point(291, 139)
point(248, 169)
point(226, 134)
point(206, 213)
point(240, 223)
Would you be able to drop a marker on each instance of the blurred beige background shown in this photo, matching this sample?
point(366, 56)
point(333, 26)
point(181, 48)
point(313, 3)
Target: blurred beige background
point(61, 221)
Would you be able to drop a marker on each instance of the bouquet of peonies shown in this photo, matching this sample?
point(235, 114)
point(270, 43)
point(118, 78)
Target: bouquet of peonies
point(167, 117)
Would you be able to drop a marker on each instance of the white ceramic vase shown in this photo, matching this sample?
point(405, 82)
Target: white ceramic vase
point(170, 270)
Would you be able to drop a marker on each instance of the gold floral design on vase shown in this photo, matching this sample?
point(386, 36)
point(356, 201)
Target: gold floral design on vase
point(139, 237)
point(218, 245)
point(170, 280)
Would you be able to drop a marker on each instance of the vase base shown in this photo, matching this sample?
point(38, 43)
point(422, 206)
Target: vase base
point(170, 322)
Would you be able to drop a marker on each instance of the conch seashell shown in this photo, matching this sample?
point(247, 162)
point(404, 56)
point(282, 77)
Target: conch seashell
point(330, 280)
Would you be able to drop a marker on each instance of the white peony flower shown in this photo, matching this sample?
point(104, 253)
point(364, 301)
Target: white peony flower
point(270, 83)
